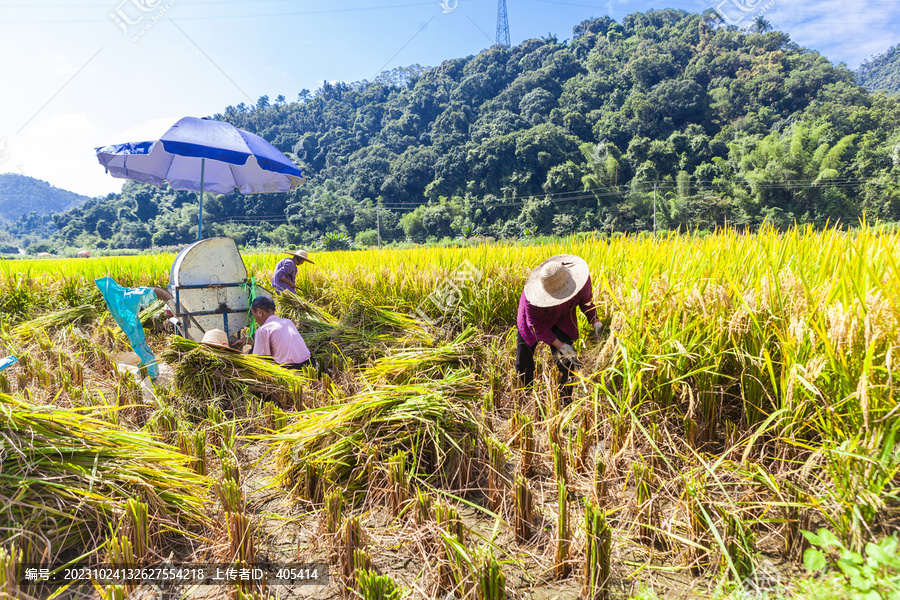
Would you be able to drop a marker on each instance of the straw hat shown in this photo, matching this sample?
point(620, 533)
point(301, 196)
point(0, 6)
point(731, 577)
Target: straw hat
point(217, 338)
point(301, 254)
point(556, 280)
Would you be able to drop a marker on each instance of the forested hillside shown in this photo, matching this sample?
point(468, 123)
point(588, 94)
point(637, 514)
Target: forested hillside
point(881, 72)
point(556, 137)
point(20, 195)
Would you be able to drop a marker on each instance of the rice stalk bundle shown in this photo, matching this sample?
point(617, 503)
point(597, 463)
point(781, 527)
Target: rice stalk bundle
point(517, 425)
point(231, 470)
point(120, 552)
point(230, 496)
point(78, 315)
point(361, 560)
point(137, 527)
point(427, 363)
point(312, 482)
point(561, 564)
point(423, 419)
point(398, 479)
point(737, 559)
point(279, 419)
point(560, 467)
point(700, 511)
point(215, 415)
point(203, 372)
point(352, 540)
point(618, 434)
point(597, 552)
point(797, 519)
point(600, 485)
point(241, 543)
point(10, 566)
point(164, 423)
point(523, 509)
point(54, 458)
point(583, 443)
point(153, 315)
point(646, 515)
point(527, 465)
point(490, 580)
point(457, 569)
point(363, 313)
point(497, 452)
point(447, 519)
point(199, 452)
point(460, 470)
point(423, 507)
point(22, 382)
point(373, 586)
point(378, 329)
point(334, 506)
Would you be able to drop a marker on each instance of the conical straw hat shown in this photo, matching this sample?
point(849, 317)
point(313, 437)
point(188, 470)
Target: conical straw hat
point(556, 280)
point(217, 338)
point(301, 254)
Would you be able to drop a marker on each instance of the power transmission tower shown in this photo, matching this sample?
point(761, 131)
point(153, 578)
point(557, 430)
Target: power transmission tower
point(502, 24)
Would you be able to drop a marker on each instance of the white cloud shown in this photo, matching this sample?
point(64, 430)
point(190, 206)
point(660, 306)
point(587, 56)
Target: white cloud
point(59, 149)
point(843, 30)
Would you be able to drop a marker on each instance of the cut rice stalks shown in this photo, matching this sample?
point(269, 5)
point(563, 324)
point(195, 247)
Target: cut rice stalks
point(54, 459)
point(427, 363)
point(78, 315)
point(203, 372)
point(430, 421)
point(362, 332)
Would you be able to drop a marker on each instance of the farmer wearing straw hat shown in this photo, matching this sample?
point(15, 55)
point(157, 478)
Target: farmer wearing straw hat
point(547, 314)
point(285, 276)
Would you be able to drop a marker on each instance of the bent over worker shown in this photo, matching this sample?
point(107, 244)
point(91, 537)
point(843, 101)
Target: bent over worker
point(285, 275)
point(277, 337)
point(547, 314)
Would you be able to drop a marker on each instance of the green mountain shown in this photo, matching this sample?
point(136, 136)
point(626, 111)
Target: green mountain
point(708, 123)
point(881, 72)
point(20, 195)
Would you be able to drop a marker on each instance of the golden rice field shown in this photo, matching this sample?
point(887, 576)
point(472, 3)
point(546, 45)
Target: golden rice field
point(742, 392)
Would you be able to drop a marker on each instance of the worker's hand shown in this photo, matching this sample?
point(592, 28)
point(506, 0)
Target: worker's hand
point(568, 352)
point(598, 328)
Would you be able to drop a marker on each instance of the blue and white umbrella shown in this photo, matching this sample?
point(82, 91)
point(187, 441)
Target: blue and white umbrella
point(201, 155)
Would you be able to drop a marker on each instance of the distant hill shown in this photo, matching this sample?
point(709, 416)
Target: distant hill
point(20, 195)
point(881, 72)
point(710, 124)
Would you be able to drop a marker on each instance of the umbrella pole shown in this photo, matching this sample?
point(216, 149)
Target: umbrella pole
point(200, 221)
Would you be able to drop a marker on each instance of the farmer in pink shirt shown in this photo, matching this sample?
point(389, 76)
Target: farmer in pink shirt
point(547, 314)
point(277, 337)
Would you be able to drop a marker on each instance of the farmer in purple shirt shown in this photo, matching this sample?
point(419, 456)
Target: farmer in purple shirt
point(285, 276)
point(547, 314)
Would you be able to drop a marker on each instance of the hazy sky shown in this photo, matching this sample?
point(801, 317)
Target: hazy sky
point(85, 73)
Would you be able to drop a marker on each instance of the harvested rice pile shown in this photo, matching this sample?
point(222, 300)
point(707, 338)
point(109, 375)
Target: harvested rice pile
point(64, 476)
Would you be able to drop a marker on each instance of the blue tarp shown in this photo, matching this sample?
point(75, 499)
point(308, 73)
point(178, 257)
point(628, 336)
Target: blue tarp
point(7, 362)
point(124, 305)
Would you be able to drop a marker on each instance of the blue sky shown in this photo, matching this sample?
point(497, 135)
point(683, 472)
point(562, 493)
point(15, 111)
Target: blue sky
point(80, 74)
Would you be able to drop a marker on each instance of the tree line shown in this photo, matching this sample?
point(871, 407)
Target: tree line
point(667, 113)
